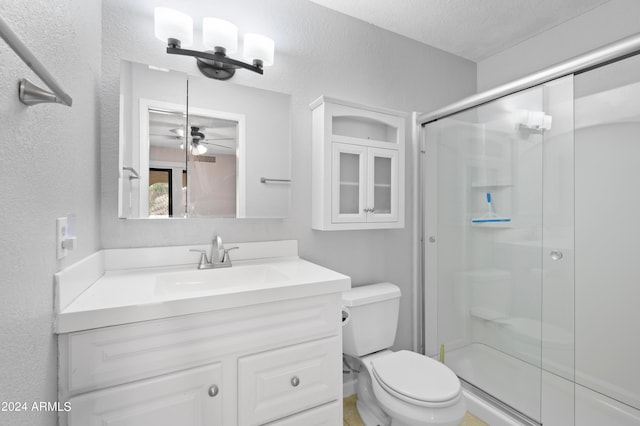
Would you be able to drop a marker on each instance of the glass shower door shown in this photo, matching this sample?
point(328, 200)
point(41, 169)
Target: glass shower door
point(488, 245)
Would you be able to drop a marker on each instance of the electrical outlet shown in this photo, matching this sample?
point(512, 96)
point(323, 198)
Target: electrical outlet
point(61, 236)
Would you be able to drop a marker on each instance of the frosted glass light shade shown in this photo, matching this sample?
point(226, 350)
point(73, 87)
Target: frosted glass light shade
point(219, 33)
point(257, 46)
point(169, 23)
point(198, 149)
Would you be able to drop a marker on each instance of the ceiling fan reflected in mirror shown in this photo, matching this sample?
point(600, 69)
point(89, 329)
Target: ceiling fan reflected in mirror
point(198, 139)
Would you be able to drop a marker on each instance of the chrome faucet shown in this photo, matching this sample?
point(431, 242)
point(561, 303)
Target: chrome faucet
point(219, 255)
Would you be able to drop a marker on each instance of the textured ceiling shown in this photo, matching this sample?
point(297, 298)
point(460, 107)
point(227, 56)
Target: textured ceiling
point(473, 29)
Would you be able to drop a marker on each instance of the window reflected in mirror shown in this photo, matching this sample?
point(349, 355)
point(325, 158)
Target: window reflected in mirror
point(160, 197)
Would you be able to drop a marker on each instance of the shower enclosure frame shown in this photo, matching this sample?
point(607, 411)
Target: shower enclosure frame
point(613, 52)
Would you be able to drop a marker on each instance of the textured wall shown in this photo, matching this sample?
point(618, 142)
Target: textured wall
point(318, 52)
point(604, 24)
point(49, 167)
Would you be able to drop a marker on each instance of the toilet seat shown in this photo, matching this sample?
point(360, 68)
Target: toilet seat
point(417, 379)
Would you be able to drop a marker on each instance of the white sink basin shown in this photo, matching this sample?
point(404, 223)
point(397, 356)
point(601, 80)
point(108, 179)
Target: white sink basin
point(212, 280)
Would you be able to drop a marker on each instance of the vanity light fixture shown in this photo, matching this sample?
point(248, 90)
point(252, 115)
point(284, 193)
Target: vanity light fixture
point(220, 37)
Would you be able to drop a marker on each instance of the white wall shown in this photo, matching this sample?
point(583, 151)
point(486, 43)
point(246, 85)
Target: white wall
point(49, 167)
point(605, 24)
point(318, 52)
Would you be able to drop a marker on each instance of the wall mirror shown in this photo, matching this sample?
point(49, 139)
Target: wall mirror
point(195, 147)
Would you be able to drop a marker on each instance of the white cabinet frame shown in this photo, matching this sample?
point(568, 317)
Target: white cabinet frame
point(369, 132)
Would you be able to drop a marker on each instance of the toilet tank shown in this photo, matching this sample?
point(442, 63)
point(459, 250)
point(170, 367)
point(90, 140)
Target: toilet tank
point(369, 318)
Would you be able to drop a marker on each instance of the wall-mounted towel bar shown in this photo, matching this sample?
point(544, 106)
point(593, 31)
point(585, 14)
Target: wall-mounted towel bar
point(267, 180)
point(134, 173)
point(29, 93)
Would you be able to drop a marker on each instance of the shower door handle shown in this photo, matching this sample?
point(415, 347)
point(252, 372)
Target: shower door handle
point(555, 254)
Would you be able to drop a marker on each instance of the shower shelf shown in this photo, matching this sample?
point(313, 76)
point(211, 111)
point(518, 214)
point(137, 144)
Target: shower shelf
point(488, 314)
point(492, 224)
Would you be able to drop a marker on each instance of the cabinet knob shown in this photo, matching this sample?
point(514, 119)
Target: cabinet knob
point(295, 381)
point(213, 390)
point(556, 254)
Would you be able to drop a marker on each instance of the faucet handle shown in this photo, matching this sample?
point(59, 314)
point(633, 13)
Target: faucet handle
point(225, 254)
point(203, 257)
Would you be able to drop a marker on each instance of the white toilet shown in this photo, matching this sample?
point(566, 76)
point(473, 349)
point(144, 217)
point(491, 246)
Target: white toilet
point(394, 388)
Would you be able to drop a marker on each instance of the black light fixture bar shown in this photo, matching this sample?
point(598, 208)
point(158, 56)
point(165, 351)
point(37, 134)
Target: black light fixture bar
point(216, 57)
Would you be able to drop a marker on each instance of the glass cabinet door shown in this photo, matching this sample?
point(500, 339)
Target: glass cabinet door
point(348, 180)
point(382, 191)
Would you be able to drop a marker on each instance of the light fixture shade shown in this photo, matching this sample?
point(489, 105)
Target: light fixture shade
point(198, 149)
point(169, 23)
point(219, 33)
point(257, 46)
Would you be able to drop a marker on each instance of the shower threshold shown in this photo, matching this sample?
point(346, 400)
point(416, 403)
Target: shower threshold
point(506, 383)
point(480, 402)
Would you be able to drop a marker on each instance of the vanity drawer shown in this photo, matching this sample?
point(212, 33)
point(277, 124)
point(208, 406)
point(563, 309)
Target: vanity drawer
point(116, 355)
point(282, 382)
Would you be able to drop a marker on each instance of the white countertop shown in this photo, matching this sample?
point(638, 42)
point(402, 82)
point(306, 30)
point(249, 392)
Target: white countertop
point(130, 295)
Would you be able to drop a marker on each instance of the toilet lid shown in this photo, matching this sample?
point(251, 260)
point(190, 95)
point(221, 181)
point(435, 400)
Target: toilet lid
point(417, 377)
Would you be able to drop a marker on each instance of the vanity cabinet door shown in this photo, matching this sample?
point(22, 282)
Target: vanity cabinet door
point(278, 383)
point(188, 398)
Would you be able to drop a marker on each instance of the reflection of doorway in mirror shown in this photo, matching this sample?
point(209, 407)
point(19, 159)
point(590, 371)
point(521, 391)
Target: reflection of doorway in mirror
point(212, 164)
point(166, 128)
point(201, 150)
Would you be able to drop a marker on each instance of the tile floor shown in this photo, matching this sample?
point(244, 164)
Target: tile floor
point(351, 417)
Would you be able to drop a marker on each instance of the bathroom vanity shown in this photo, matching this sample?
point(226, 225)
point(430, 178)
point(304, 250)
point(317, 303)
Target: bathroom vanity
point(256, 343)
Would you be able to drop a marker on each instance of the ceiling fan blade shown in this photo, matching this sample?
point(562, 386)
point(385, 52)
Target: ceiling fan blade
point(217, 144)
point(167, 137)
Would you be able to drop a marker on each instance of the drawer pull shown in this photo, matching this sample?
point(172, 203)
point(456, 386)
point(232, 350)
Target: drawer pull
point(213, 390)
point(295, 381)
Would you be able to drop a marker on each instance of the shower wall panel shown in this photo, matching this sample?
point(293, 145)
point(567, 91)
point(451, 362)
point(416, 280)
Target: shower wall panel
point(607, 220)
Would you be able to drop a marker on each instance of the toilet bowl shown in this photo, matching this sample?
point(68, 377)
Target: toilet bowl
point(401, 388)
point(416, 390)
